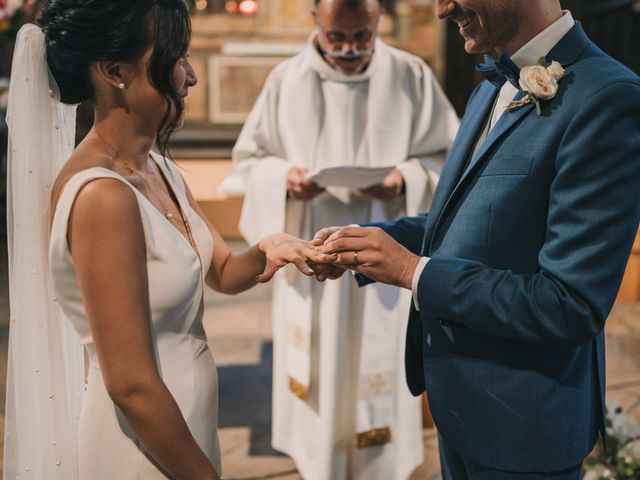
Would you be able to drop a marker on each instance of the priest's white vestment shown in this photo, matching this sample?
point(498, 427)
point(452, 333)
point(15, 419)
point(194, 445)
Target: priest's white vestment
point(341, 407)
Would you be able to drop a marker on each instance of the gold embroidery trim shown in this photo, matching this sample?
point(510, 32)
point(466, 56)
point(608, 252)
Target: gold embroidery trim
point(299, 390)
point(374, 385)
point(373, 438)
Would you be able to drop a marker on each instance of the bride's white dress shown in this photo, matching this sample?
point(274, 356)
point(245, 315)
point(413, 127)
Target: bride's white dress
point(107, 447)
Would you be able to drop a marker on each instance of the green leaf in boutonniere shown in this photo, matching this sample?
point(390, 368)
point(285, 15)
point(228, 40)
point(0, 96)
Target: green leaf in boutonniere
point(539, 83)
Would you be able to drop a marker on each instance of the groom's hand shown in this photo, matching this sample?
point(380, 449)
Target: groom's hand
point(326, 271)
point(371, 252)
point(322, 235)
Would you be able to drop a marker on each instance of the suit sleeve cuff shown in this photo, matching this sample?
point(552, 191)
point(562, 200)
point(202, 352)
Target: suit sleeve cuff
point(416, 280)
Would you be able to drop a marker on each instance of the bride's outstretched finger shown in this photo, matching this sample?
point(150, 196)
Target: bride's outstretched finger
point(301, 264)
point(269, 271)
point(314, 255)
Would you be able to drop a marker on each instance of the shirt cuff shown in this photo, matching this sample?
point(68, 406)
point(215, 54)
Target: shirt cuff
point(416, 280)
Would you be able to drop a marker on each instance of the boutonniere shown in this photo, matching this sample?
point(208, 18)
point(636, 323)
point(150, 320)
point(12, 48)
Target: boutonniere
point(539, 83)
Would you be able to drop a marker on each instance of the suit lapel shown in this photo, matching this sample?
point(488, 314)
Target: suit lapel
point(506, 122)
point(471, 127)
point(565, 52)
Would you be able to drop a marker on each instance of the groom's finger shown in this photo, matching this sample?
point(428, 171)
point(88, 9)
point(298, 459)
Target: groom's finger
point(335, 272)
point(329, 272)
point(317, 242)
point(351, 259)
point(346, 244)
point(350, 231)
point(321, 235)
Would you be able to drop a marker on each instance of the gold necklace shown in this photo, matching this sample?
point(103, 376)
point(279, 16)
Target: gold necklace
point(133, 171)
point(167, 213)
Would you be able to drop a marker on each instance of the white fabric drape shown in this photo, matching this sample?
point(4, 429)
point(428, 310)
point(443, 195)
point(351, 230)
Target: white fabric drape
point(410, 125)
point(338, 348)
point(45, 377)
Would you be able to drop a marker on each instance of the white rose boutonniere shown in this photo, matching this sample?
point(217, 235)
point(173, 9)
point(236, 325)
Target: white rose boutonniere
point(539, 83)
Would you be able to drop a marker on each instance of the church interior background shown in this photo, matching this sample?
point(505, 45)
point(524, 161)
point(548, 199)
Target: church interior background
point(235, 45)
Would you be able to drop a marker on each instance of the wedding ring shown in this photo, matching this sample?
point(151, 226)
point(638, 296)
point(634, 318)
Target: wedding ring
point(355, 258)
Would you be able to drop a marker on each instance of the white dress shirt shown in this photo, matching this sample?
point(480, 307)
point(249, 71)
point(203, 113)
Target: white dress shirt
point(537, 47)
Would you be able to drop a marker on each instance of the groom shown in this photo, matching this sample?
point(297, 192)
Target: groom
point(518, 263)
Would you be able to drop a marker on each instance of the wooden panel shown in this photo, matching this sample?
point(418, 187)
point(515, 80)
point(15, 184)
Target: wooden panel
point(630, 289)
point(234, 86)
point(197, 105)
point(427, 418)
point(203, 178)
point(224, 214)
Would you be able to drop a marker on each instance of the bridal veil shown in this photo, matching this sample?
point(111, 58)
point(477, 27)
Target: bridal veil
point(45, 377)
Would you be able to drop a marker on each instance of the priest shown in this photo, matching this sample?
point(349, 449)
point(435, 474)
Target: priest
point(341, 408)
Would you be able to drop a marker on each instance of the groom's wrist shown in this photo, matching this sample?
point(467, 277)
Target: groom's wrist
point(416, 280)
point(409, 267)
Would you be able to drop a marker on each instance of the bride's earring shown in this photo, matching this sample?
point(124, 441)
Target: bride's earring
point(121, 86)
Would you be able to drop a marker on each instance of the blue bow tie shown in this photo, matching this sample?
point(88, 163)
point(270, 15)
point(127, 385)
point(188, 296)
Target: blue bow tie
point(500, 71)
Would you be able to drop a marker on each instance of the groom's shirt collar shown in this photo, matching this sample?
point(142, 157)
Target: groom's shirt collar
point(541, 44)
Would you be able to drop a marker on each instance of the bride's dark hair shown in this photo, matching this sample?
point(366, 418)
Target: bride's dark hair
point(81, 32)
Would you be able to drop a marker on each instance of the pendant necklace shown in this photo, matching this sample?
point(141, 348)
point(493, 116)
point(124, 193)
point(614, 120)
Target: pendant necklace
point(167, 213)
point(133, 171)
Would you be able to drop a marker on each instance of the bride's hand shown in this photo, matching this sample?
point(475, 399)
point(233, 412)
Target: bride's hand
point(282, 248)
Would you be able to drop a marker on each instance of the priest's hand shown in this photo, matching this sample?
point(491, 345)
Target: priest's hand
point(373, 253)
point(282, 248)
point(391, 187)
point(298, 187)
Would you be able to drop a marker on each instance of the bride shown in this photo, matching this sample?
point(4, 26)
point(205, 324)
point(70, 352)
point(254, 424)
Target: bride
point(129, 253)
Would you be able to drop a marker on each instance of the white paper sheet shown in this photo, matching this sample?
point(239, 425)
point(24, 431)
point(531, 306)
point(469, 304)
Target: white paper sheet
point(351, 177)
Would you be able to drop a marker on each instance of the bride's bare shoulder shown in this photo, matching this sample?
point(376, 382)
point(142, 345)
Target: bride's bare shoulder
point(83, 158)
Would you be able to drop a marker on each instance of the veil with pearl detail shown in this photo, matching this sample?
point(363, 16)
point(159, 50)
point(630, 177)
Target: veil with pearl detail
point(45, 372)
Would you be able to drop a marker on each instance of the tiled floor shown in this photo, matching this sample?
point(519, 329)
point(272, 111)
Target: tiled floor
point(239, 330)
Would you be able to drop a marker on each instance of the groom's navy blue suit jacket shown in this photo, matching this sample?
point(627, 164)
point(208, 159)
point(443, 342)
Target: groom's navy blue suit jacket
point(528, 247)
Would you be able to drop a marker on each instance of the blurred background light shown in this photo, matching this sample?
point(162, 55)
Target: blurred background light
point(248, 7)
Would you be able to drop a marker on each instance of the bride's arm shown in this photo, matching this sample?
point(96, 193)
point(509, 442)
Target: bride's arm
point(233, 273)
point(106, 239)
